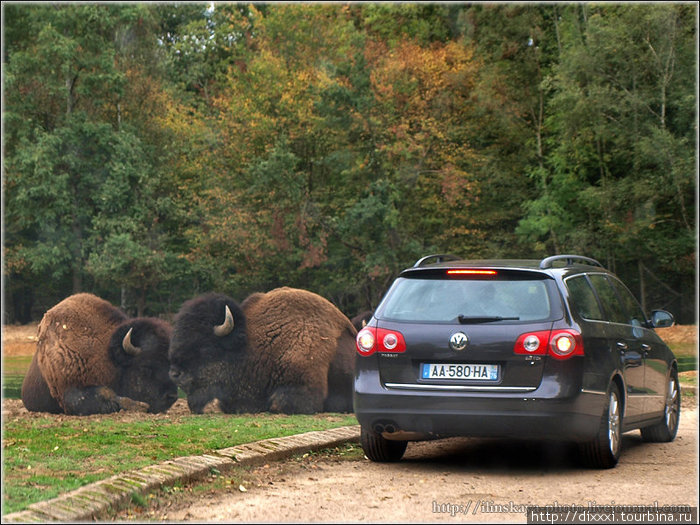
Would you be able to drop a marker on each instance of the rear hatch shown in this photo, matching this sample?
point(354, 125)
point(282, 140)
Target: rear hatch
point(487, 361)
point(460, 330)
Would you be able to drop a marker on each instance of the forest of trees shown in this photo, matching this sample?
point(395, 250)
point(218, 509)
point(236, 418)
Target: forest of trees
point(156, 151)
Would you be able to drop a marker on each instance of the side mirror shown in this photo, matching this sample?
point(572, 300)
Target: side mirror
point(661, 319)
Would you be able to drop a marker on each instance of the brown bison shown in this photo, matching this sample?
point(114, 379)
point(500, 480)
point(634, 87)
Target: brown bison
point(92, 359)
point(287, 350)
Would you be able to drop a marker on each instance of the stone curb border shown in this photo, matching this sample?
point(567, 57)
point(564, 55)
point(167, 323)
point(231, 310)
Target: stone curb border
point(689, 388)
point(91, 501)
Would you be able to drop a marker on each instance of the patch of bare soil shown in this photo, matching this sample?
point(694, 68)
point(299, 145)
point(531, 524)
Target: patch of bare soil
point(19, 339)
point(679, 334)
point(14, 409)
point(690, 375)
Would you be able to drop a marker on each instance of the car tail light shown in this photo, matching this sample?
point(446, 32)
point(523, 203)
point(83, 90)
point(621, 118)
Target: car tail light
point(565, 343)
point(533, 343)
point(471, 272)
point(365, 341)
point(560, 344)
point(371, 339)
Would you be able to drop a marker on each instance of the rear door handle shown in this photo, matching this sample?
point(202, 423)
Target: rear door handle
point(622, 346)
point(646, 348)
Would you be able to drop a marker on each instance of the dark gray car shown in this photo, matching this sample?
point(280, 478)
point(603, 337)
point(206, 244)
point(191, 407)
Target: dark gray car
point(551, 349)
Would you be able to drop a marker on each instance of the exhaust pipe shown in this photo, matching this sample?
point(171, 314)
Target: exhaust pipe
point(385, 427)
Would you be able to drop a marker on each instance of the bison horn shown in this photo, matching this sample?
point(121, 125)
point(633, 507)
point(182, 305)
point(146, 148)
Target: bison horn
point(128, 346)
point(227, 326)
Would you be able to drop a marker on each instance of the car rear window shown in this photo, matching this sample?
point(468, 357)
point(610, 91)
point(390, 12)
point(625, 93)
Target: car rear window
point(445, 300)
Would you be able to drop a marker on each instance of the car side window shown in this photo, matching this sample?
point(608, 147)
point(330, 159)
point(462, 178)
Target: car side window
point(635, 314)
point(611, 302)
point(583, 298)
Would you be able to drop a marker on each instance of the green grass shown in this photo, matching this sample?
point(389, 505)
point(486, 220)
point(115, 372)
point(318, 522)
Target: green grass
point(47, 456)
point(13, 370)
point(44, 457)
point(688, 363)
point(686, 354)
point(690, 381)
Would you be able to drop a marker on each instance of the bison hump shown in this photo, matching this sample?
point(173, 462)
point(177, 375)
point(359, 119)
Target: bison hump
point(295, 322)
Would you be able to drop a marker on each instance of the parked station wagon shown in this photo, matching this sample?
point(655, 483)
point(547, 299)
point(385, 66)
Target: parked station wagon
point(552, 349)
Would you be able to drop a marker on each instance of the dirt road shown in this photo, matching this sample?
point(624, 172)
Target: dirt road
point(464, 480)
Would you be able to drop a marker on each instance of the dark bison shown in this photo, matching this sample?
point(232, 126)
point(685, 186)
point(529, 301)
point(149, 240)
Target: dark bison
point(287, 350)
point(92, 359)
point(361, 319)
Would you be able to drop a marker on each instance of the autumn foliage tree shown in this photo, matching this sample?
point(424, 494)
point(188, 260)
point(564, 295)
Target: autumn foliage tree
point(156, 151)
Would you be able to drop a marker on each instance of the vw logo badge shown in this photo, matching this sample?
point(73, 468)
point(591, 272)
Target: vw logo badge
point(458, 341)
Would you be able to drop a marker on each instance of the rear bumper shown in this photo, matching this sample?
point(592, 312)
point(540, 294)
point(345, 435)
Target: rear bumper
point(547, 412)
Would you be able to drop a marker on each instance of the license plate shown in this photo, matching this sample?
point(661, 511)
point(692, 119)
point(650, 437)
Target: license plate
point(459, 371)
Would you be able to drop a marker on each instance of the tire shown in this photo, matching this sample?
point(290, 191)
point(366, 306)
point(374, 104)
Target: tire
point(667, 428)
point(381, 450)
point(603, 452)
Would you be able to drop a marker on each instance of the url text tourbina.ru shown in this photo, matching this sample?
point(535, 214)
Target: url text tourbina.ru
point(592, 512)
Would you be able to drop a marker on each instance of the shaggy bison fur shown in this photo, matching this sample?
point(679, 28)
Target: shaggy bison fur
point(361, 319)
point(287, 350)
point(92, 359)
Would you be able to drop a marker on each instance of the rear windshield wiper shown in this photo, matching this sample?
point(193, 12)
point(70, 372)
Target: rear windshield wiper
point(464, 319)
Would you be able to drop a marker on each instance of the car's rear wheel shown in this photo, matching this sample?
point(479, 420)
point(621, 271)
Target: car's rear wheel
point(379, 449)
point(667, 429)
point(604, 450)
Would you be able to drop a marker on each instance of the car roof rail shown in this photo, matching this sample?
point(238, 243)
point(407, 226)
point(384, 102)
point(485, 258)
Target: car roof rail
point(439, 257)
point(548, 262)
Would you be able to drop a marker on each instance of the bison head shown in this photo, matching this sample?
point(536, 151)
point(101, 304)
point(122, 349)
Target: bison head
point(208, 346)
point(139, 350)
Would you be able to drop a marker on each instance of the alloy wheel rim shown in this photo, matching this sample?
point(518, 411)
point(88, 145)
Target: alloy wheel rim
point(614, 424)
point(672, 404)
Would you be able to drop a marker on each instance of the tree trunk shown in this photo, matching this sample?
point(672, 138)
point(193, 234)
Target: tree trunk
point(77, 264)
